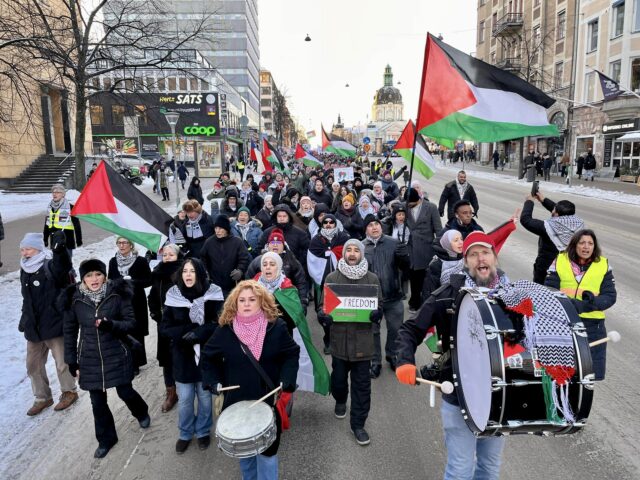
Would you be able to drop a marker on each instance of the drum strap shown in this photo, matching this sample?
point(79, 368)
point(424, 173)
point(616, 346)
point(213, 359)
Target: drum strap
point(257, 366)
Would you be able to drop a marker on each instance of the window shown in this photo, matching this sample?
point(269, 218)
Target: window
point(617, 17)
point(558, 73)
point(97, 115)
point(141, 113)
point(205, 85)
point(265, 102)
point(562, 25)
point(172, 84)
point(614, 70)
point(117, 114)
point(106, 83)
point(266, 114)
point(592, 36)
point(266, 90)
point(193, 84)
point(536, 3)
point(268, 125)
point(162, 85)
point(635, 75)
point(536, 44)
point(481, 32)
point(589, 83)
point(183, 84)
point(636, 15)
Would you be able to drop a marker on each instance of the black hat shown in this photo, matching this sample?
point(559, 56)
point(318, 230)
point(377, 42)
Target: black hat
point(222, 221)
point(92, 265)
point(231, 192)
point(370, 218)
point(413, 195)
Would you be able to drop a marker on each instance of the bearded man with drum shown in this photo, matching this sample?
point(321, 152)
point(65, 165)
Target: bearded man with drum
point(468, 456)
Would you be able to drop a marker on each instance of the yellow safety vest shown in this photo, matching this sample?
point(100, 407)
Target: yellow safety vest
point(591, 280)
point(240, 165)
point(54, 221)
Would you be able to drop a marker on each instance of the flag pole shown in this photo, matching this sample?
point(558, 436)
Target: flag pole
point(413, 153)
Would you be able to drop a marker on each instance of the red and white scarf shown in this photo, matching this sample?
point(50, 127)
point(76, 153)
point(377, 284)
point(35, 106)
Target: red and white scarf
point(251, 331)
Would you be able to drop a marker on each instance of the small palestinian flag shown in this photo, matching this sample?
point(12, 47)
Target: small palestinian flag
point(349, 302)
point(465, 98)
point(313, 375)
point(307, 159)
point(338, 145)
point(272, 156)
point(423, 162)
point(431, 340)
point(110, 202)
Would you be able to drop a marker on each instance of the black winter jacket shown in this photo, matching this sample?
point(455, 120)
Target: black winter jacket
point(104, 357)
point(194, 245)
point(352, 222)
point(264, 216)
point(175, 323)
point(224, 362)
point(140, 274)
point(296, 238)
point(221, 256)
point(387, 264)
point(41, 319)
point(450, 196)
point(195, 191)
point(292, 270)
point(322, 197)
point(161, 282)
point(74, 236)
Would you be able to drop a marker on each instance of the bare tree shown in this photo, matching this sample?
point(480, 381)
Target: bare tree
point(281, 116)
point(73, 43)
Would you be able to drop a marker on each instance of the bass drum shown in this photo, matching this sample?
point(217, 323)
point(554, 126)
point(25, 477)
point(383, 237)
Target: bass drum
point(496, 382)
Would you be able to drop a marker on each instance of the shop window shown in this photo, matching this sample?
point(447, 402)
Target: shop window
point(141, 113)
point(636, 149)
point(635, 75)
point(117, 114)
point(97, 115)
point(626, 149)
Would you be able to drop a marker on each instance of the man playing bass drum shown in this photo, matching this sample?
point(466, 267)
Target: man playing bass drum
point(466, 453)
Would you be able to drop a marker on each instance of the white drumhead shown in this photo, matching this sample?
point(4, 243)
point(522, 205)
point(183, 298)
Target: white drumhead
point(240, 421)
point(474, 365)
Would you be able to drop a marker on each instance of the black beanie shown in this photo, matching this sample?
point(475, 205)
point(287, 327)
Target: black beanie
point(222, 221)
point(370, 218)
point(92, 265)
point(413, 195)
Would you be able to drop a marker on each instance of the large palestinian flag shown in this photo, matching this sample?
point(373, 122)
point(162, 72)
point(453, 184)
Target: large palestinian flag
point(307, 159)
point(465, 98)
point(110, 202)
point(423, 162)
point(313, 375)
point(256, 156)
point(338, 145)
point(272, 156)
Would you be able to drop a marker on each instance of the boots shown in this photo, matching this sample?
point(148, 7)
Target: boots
point(170, 400)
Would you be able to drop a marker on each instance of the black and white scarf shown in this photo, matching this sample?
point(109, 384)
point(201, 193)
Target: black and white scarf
point(175, 298)
point(329, 233)
point(450, 267)
point(97, 296)
point(33, 264)
point(561, 229)
point(125, 262)
point(462, 188)
point(193, 229)
point(353, 272)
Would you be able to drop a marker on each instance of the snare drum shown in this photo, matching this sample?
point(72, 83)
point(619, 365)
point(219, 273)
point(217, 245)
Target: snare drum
point(244, 431)
point(499, 395)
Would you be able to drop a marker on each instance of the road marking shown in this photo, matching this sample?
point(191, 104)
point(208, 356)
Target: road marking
point(133, 452)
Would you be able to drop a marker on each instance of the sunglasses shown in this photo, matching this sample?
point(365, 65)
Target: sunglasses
point(328, 222)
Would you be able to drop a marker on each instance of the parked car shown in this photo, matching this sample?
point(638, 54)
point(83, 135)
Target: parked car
point(128, 160)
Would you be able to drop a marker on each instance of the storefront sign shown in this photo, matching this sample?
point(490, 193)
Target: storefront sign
point(620, 126)
point(200, 130)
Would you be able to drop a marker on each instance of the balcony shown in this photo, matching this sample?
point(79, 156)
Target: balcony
point(510, 64)
point(508, 24)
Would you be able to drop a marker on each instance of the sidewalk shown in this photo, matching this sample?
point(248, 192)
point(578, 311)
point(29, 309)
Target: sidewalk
point(603, 184)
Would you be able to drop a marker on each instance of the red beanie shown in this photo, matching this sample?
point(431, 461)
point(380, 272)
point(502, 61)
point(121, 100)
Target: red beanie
point(276, 235)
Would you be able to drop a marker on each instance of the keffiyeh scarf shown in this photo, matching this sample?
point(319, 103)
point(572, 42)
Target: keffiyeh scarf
point(462, 188)
point(561, 229)
point(251, 331)
point(353, 272)
point(97, 296)
point(125, 262)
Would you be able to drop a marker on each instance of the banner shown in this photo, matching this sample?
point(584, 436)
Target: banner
point(350, 303)
point(343, 174)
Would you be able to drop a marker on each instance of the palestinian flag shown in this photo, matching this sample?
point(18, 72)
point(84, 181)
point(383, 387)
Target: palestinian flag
point(423, 162)
point(321, 261)
point(350, 302)
point(256, 156)
point(307, 159)
point(431, 340)
point(110, 202)
point(313, 375)
point(338, 145)
point(465, 98)
point(272, 156)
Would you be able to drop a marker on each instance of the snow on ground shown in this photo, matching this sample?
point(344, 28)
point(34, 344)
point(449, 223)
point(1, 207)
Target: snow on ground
point(578, 188)
point(14, 205)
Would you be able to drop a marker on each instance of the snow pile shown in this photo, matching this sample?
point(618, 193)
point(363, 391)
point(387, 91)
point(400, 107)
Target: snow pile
point(13, 205)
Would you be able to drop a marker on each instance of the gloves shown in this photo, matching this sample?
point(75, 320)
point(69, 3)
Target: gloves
point(58, 241)
point(236, 275)
point(402, 250)
point(325, 320)
point(406, 374)
point(376, 315)
point(190, 338)
point(212, 388)
point(289, 387)
point(588, 296)
point(105, 325)
point(73, 369)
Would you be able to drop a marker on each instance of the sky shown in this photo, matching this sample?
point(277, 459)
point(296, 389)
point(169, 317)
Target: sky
point(351, 42)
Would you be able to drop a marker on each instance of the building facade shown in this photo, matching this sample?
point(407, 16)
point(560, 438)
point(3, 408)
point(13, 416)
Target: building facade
point(387, 102)
point(533, 39)
point(277, 122)
point(608, 41)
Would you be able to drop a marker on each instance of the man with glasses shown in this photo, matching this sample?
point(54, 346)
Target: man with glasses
point(325, 251)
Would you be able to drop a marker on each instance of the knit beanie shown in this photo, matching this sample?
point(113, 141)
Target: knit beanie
point(222, 221)
point(368, 219)
point(274, 256)
point(349, 197)
point(356, 242)
point(276, 235)
point(92, 265)
point(33, 240)
point(243, 209)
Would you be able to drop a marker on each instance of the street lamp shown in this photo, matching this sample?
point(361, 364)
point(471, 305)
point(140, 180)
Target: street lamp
point(307, 38)
point(172, 120)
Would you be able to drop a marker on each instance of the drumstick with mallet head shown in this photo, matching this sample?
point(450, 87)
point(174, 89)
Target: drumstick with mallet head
point(272, 392)
point(446, 387)
point(612, 335)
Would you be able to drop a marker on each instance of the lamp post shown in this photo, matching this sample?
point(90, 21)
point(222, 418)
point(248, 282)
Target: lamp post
point(172, 120)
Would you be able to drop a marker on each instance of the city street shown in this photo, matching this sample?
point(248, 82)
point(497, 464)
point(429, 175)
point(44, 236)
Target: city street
point(406, 434)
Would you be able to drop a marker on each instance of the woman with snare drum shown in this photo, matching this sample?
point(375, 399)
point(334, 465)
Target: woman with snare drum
point(253, 349)
point(585, 276)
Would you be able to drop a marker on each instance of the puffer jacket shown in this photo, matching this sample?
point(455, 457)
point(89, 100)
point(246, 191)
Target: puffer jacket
point(105, 358)
point(352, 222)
point(252, 240)
point(296, 238)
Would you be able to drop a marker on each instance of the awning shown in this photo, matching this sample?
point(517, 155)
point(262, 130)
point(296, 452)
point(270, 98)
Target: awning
point(629, 137)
